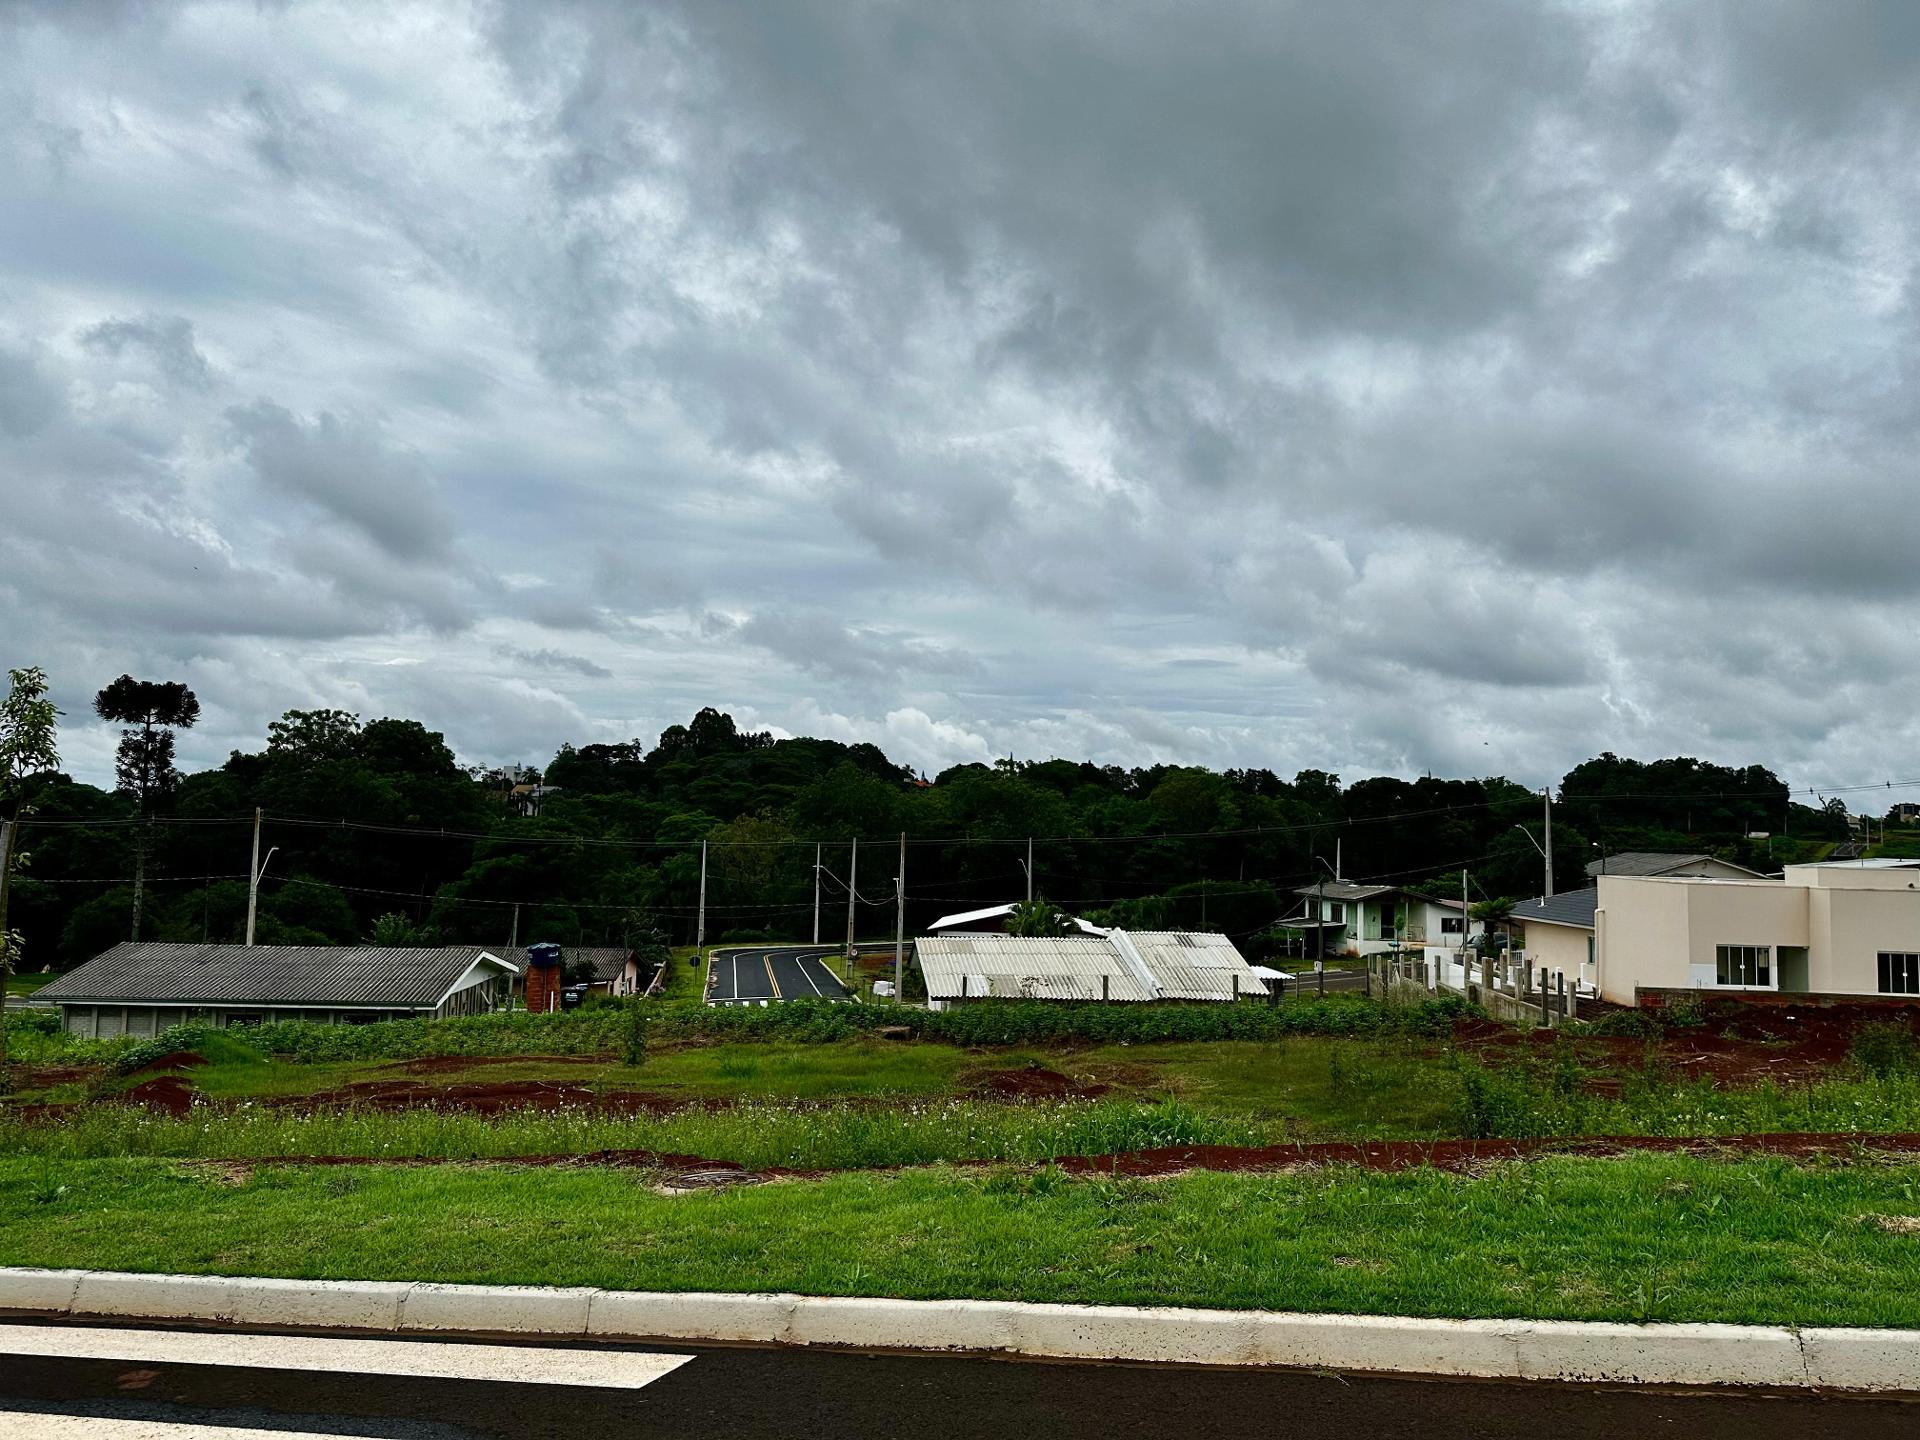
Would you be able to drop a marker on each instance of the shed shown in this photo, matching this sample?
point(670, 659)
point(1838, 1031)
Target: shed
point(140, 988)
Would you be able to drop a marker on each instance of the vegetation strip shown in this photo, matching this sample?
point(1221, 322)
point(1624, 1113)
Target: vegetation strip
point(1756, 1240)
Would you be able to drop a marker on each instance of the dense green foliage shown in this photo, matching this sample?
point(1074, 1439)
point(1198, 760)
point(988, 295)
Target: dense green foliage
point(375, 829)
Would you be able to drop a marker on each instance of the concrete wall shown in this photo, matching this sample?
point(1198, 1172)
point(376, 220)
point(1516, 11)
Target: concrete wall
point(1559, 947)
point(1851, 926)
point(1662, 933)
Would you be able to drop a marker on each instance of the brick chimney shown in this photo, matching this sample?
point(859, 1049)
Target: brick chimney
point(543, 979)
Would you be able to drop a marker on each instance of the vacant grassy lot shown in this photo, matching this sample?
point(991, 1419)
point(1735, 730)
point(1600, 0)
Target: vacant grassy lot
point(1639, 1238)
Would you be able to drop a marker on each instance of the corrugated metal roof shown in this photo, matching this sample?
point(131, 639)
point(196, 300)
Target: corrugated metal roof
point(965, 918)
point(343, 975)
point(1066, 967)
point(1195, 965)
point(1179, 965)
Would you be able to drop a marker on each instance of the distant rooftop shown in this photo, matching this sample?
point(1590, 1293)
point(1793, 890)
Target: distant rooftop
point(1659, 862)
point(1571, 907)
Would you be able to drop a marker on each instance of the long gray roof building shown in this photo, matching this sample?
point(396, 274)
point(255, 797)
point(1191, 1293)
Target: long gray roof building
point(140, 987)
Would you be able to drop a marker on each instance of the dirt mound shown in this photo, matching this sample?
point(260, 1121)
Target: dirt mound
point(1033, 1082)
point(167, 1094)
point(448, 1064)
point(38, 1075)
point(177, 1060)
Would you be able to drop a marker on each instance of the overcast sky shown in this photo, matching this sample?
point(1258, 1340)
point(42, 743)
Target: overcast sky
point(1380, 388)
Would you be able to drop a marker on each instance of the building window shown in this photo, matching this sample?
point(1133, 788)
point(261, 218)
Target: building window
point(1453, 925)
point(1899, 972)
point(1336, 911)
point(1747, 966)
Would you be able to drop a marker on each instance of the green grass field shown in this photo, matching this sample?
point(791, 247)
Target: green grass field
point(27, 984)
point(1641, 1238)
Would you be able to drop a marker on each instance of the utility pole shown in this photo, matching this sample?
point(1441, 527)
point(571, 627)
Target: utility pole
point(853, 873)
point(700, 935)
point(513, 940)
point(900, 916)
point(1546, 800)
point(816, 894)
point(253, 877)
point(1339, 865)
point(1029, 869)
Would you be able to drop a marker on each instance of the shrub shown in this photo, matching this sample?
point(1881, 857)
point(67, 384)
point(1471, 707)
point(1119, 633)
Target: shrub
point(1884, 1048)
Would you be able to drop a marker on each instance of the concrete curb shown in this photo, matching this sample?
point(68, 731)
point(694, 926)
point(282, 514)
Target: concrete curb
point(1747, 1355)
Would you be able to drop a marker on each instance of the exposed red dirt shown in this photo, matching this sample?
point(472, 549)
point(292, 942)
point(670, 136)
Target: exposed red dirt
point(1455, 1156)
point(38, 1075)
point(1463, 1156)
point(488, 1097)
point(449, 1064)
point(1736, 1045)
point(1033, 1082)
point(178, 1060)
point(168, 1094)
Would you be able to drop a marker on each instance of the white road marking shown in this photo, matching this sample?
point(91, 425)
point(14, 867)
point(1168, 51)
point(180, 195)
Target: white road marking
point(521, 1364)
point(16, 1426)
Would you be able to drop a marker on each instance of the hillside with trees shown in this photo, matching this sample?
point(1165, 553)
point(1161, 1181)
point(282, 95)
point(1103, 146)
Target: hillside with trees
point(374, 830)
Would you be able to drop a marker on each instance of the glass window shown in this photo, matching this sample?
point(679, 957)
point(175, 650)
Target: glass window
point(1750, 966)
point(1337, 911)
point(1453, 925)
point(1899, 972)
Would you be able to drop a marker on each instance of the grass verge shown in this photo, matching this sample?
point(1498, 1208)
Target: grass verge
point(1641, 1238)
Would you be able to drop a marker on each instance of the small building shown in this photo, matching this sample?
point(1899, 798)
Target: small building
point(1837, 928)
point(1114, 966)
point(142, 988)
point(1354, 919)
point(1557, 933)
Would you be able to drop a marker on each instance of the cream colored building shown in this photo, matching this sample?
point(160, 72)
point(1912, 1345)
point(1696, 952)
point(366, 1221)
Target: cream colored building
point(1843, 928)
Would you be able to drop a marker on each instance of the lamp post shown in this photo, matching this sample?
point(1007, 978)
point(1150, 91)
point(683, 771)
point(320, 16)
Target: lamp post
point(1320, 913)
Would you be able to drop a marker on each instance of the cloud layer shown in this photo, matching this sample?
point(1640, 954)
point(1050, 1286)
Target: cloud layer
point(1386, 388)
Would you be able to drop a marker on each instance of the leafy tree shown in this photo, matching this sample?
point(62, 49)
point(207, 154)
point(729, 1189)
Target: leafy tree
point(1038, 917)
point(314, 735)
point(394, 931)
point(28, 721)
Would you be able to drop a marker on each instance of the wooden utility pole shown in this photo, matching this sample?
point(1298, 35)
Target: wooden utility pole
point(253, 878)
point(700, 935)
point(900, 917)
point(816, 894)
point(853, 874)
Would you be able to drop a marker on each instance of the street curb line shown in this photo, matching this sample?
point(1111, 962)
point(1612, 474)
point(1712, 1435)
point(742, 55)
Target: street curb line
point(1767, 1356)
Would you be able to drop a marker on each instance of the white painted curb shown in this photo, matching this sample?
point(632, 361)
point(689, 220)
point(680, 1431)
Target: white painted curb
point(1747, 1355)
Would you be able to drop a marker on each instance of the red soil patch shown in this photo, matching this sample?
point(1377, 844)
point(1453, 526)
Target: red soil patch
point(178, 1060)
point(488, 1097)
point(1738, 1044)
point(168, 1094)
point(448, 1064)
point(1462, 1156)
point(1034, 1082)
point(62, 1074)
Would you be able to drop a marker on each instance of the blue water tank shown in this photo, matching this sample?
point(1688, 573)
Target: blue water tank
point(543, 957)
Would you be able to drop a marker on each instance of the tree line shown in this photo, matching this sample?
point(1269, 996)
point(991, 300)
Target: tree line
point(376, 832)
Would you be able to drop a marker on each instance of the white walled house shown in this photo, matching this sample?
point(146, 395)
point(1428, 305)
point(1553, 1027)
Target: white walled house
point(1844, 929)
point(1557, 933)
point(1354, 919)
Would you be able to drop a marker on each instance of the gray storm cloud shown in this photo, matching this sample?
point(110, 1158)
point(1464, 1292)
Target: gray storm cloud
point(1392, 387)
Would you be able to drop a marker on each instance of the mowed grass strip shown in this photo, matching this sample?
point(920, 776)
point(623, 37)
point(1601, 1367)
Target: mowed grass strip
point(1647, 1237)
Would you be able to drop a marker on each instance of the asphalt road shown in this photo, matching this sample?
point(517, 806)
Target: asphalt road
point(760, 976)
point(743, 1393)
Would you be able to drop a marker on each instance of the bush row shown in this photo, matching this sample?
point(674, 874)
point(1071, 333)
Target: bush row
point(604, 1029)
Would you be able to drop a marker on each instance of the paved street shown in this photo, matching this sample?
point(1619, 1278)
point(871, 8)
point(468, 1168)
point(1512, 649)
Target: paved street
point(586, 1392)
point(765, 974)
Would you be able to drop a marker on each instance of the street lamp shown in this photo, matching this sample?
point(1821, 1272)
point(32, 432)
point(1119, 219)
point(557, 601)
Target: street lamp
point(1320, 912)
